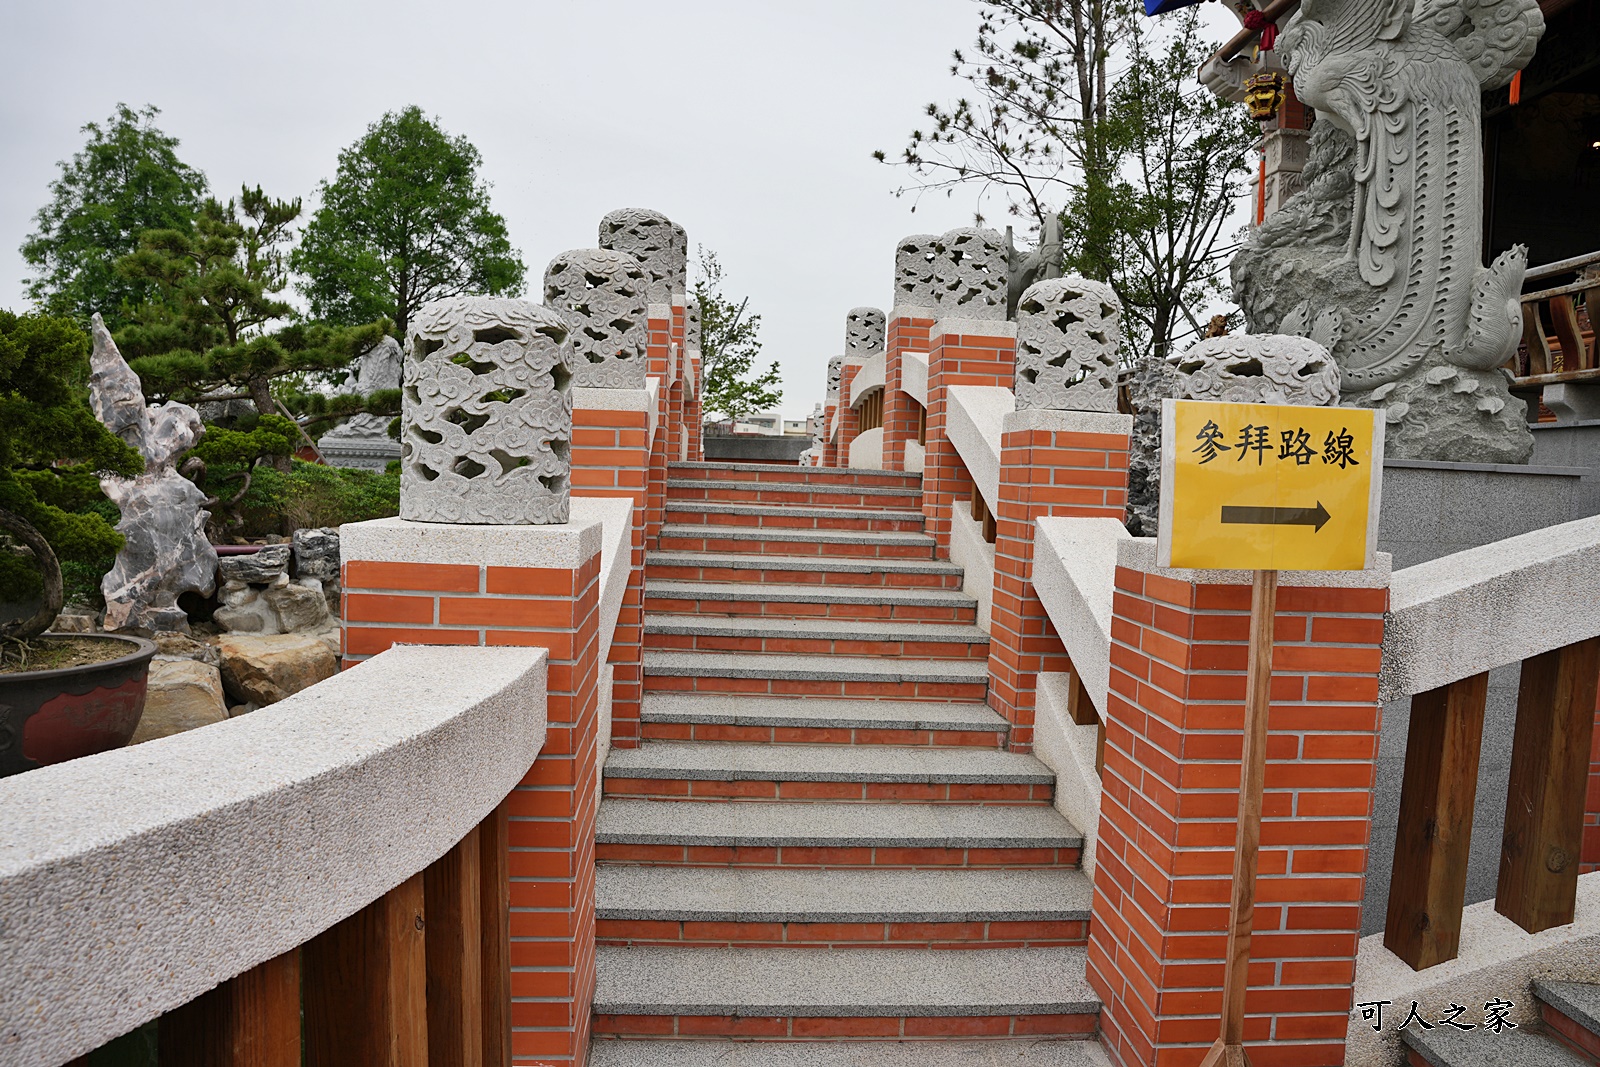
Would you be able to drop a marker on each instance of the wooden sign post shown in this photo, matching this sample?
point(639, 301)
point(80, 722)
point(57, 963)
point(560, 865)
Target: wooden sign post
point(1229, 1049)
point(1263, 487)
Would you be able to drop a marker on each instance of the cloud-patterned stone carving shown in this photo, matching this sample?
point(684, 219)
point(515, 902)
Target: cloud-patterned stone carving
point(601, 294)
point(1259, 368)
point(835, 375)
point(962, 273)
point(1068, 333)
point(660, 245)
point(863, 331)
point(486, 409)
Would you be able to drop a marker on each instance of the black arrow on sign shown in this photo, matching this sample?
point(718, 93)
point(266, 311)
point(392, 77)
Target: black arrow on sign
point(1317, 516)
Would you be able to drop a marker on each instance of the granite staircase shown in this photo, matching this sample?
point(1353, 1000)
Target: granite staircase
point(1567, 1035)
point(823, 853)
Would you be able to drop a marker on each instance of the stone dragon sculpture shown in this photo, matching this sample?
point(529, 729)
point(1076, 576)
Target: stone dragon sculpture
point(1379, 256)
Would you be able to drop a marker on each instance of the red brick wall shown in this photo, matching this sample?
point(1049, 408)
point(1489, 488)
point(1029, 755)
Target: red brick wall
point(1169, 807)
point(830, 448)
point(658, 353)
point(1042, 472)
point(611, 458)
point(956, 359)
point(905, 333)
point(553, 809)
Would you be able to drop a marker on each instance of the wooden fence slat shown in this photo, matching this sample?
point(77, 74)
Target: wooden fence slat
point(1564, 317)
point(365, 985)
point(494, 888)
point(1539, 358)
point(454, 951)
point(252, 1020)
point(1539, 854)
point(1429, 883)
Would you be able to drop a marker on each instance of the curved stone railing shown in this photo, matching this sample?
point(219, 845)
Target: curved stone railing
point(914, 376)
point(975, 424)
point(134, 881)
point(869, 377)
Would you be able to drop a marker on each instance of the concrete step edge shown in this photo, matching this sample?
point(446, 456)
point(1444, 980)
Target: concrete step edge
point(671, 664)
point(745, 762)
point(774, 593)
point(814, 712)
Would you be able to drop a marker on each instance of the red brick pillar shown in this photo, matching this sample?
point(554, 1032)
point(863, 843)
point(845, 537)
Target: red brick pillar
point(611, 458)
point(830, 448)
point(849, 419)
point(427, 583)
point(659, 354)
point(960, 352)
point(1170, 802)
point(1067, 463)
point(907, 331)
point(694, 418)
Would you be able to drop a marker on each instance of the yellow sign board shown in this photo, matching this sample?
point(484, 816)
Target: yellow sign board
point(1269, 486)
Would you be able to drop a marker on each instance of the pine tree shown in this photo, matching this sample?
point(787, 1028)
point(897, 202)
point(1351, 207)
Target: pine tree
point(126, 180)
point(405, 221)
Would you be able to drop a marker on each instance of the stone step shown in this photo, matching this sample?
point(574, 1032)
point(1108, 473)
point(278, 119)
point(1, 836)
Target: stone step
point(1571, 1011)
point(796, 492)
point(777, 472)
point(826, 544)
point(815, 637)
point(790, 517)
point(775, 568)
point(732, 906)
point(1020, 1052)
point(819, 721)
point(867, 677)
point(764, 772)
point(820, 834)
point(777, 993)
point(1446, 1046)
point(809, 601)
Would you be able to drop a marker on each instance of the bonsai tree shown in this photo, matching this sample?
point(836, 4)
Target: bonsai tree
point(49, 441)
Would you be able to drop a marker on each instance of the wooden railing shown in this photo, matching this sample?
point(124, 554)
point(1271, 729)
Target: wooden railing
point(1558, 328)
point(323, 881)
point(1533, 599)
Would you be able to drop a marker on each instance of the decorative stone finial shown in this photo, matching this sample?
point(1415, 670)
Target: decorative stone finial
point(660, 245)
point(1259, 368)
point(601, 294)
point(691, 323)
point(1068, 333)
point(487, 413)
point(835, 375)
point(863, 331)
point(962, 274)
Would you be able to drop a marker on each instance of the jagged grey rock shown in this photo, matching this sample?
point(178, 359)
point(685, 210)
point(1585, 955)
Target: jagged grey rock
point(1151, 381)
point(379, 367)
point(259, 568)
point(660, 245)
point(316, 553)
point(602, 295)
point(1379, 259)
point(835, 376)
point(1068, 333)
point(864, 331)
point(961, 274)
point(1259, 369)
point(165, 551)
point(487, 414)
point(361, 442)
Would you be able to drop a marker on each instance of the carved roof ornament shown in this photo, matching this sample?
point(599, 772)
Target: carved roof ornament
point(1377, 256)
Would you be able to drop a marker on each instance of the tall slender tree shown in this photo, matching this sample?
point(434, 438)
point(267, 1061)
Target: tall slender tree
point(126, 180)
point(732, 386)
point(406, 220)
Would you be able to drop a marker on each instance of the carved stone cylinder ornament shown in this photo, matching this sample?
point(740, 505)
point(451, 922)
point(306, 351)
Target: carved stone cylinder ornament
point(601, 294)
point(660, 245)
point(961, 274)
point(864, 331)
point(835, 375)
point(1068, 333)
point(1259, 368)
point(486, 413)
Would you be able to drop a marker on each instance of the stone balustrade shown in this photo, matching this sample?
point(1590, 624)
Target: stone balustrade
point(135, 881)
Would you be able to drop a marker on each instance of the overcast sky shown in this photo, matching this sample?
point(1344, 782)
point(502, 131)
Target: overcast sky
point(751, 124)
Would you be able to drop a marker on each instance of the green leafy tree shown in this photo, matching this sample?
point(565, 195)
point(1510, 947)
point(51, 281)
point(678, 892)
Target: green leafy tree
point(223, 465)
point(405, 221)
point(1086, 110)
point(45, 419)
point(126, 180)
point(731, 385)
point(217, 328)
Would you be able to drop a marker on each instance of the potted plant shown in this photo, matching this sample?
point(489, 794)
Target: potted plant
point(61, 695)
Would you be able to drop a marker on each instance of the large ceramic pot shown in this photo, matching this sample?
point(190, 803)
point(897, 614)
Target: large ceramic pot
point(50, 716)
